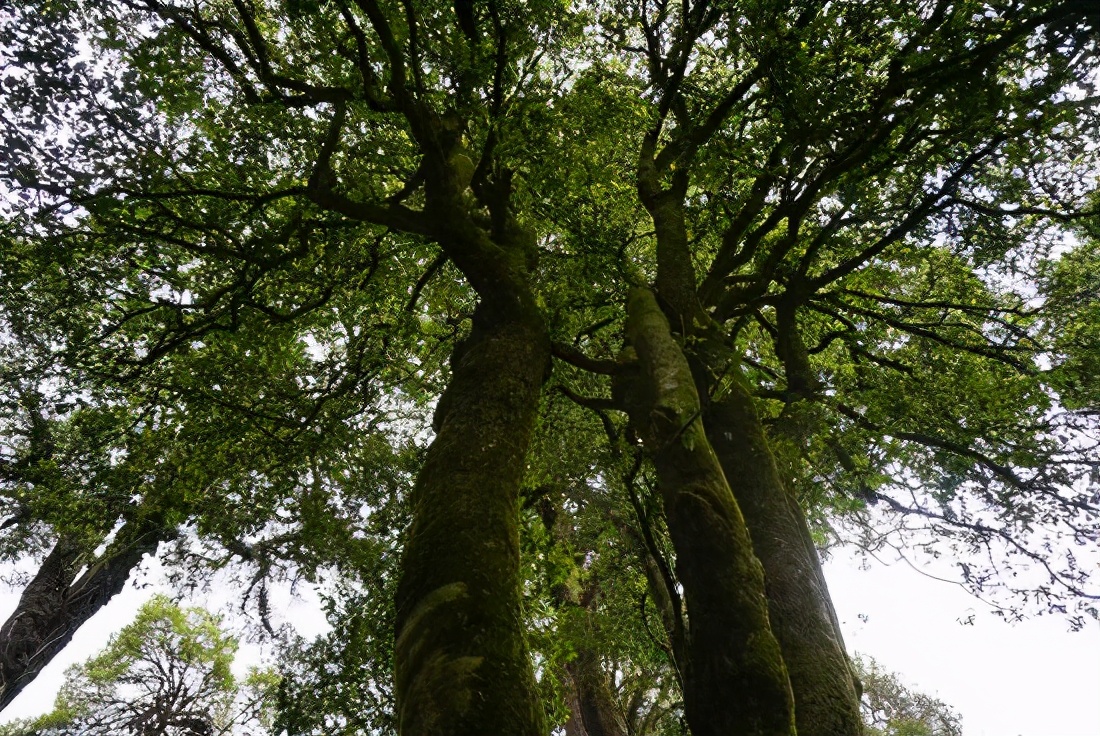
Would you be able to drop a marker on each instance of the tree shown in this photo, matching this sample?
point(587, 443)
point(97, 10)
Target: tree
point(891, 708)
point(248, 230)
point(167, 673)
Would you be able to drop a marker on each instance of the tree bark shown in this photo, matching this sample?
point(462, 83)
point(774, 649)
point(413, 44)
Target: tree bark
point(734, 678)
point(592, 706)
point(461, 659)
point(56, 602)
point(826, 691)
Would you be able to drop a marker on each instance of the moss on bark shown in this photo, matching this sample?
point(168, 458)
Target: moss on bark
point(801, 610)
point(735, 681)
point(462, 666)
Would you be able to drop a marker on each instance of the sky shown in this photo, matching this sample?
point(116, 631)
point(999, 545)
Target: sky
point(1033, 678)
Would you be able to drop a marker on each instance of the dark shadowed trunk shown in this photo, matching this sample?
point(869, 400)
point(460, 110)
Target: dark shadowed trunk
point(462, 665)
point(57, 602)
point(593, 710)
point(801, 610)
point(734, 678)
point(590, 696)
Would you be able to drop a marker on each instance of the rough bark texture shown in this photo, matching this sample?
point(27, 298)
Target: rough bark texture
point(734, 678)
point(462, 665)
point(801, 610)
point(56, 602)
point(675, 271)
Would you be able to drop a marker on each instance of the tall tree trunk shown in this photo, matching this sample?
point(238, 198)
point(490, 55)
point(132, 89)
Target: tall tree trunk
point(461, 661)
point(592, 705)
point(57, 602)
point(826, 691)
point(734, 678)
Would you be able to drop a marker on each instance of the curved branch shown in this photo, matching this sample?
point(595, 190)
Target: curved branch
point(577, 358)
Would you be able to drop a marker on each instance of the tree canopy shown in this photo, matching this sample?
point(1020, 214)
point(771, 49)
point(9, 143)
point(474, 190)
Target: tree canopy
point(892, 708)
point(167, 673)
point(561, 334)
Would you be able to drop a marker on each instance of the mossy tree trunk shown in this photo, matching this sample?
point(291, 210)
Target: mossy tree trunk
point(461, 664)
point(801, 611)
point(461, 661)
point(593, 710)
point(735, 681)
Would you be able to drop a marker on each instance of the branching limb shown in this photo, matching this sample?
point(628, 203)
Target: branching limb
point(576, 357)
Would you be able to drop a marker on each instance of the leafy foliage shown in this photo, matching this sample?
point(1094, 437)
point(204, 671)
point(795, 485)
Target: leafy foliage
point(168, 672)
point(891, 708)
point(236, 255)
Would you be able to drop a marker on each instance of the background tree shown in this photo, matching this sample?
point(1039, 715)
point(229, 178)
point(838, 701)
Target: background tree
point(891, 708)
point(168, 674)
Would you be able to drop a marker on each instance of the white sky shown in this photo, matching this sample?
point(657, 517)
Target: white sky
point(1034, 678)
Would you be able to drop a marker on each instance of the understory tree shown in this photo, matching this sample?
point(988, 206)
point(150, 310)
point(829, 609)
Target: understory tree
point(560, 335)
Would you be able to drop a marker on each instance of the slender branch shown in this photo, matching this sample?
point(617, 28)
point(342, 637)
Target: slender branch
point(939, 443)
point(987, 531)
point(985, 350)
point(931, 202)
point(381, 27)
point(939, 304)
point(322, 193)
point(198, 33)
point(272, 79)
point(429, 272)
point(575, 357)
point(597, 404)
point(372, 86)
point(1019, 210)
